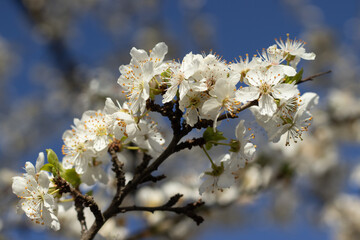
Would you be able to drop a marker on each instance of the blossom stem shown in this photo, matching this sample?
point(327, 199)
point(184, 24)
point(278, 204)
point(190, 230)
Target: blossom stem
point(132, 148)
point(207, 154)
point(143, 115)
point(157, 82)
point(67, 200)
point(55, 191)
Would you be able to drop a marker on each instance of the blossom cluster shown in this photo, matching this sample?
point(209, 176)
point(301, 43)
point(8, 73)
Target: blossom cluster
point(204, 87)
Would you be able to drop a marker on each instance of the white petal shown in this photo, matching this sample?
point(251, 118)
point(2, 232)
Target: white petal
point(139, 54)
point(40, 161)
point(81, 164)
point(275, 74)
point(184, 88)
point(288, 70)
point(159, 51)
point(110, 107)
point(310, 99)
point(210, 108)
point(68, 161)
point(285, 91)
point(131, 130)
point(225, 180)
point(240, 130)
point(148, 71)
point(100, 143)
point(191, 116)
point(207, 185)
point(49, 201)
point(275, 132)
point(223, 89)
point(255, 75)
point(308, 56)
point(170, 94)
point(249, 151)
point(267, 105)
point(50, 219)
point(30, 169)
point(43, 181)
point(155, 144)
point(247, 94)
point(19, 185)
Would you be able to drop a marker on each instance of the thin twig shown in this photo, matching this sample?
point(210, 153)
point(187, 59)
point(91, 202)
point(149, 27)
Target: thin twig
point(187, 210)
point(117, 167)
point(190, 143)
point(314, 76)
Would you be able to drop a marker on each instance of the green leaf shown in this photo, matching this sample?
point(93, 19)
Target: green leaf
point(47, 167)
point(166, 74)
point(90, 193)
point(216, 170)
point(71, 176)
point(53, 160)
point(234, 146)
point(295, 78)
point(211, 137)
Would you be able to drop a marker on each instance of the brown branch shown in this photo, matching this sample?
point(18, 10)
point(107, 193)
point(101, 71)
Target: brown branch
point(314, 76)
point(80, 199)
point(153, 179)
point(190, 143)
point(145, 162)
point(79, 207)
point(187, 210)
point(115, 147)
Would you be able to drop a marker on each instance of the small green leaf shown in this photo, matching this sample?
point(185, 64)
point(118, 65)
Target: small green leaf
point(295, 78)
point(216, 170)
point(90, 193)
point(47, 167)
point(234, 146)
point(208, 145)
point(71, 176)
point(166, 74)
point(211, 137)
point(54, 161)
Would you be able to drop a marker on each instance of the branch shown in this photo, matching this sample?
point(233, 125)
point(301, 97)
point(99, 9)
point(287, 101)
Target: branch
point(153, 179)
point(79, 207)
point(80, 200)
point(188, 210)
point(145, 162)
point(115, 147)
point(167, 110)
point(190, 143)
point(313, 77)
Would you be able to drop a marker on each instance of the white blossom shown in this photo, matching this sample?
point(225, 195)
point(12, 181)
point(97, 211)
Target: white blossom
point(219, 178)
point(180, 77)
point(294, 50)
point(33, 190)
point(266, 86)
point(135, 77)
point(242, 151)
